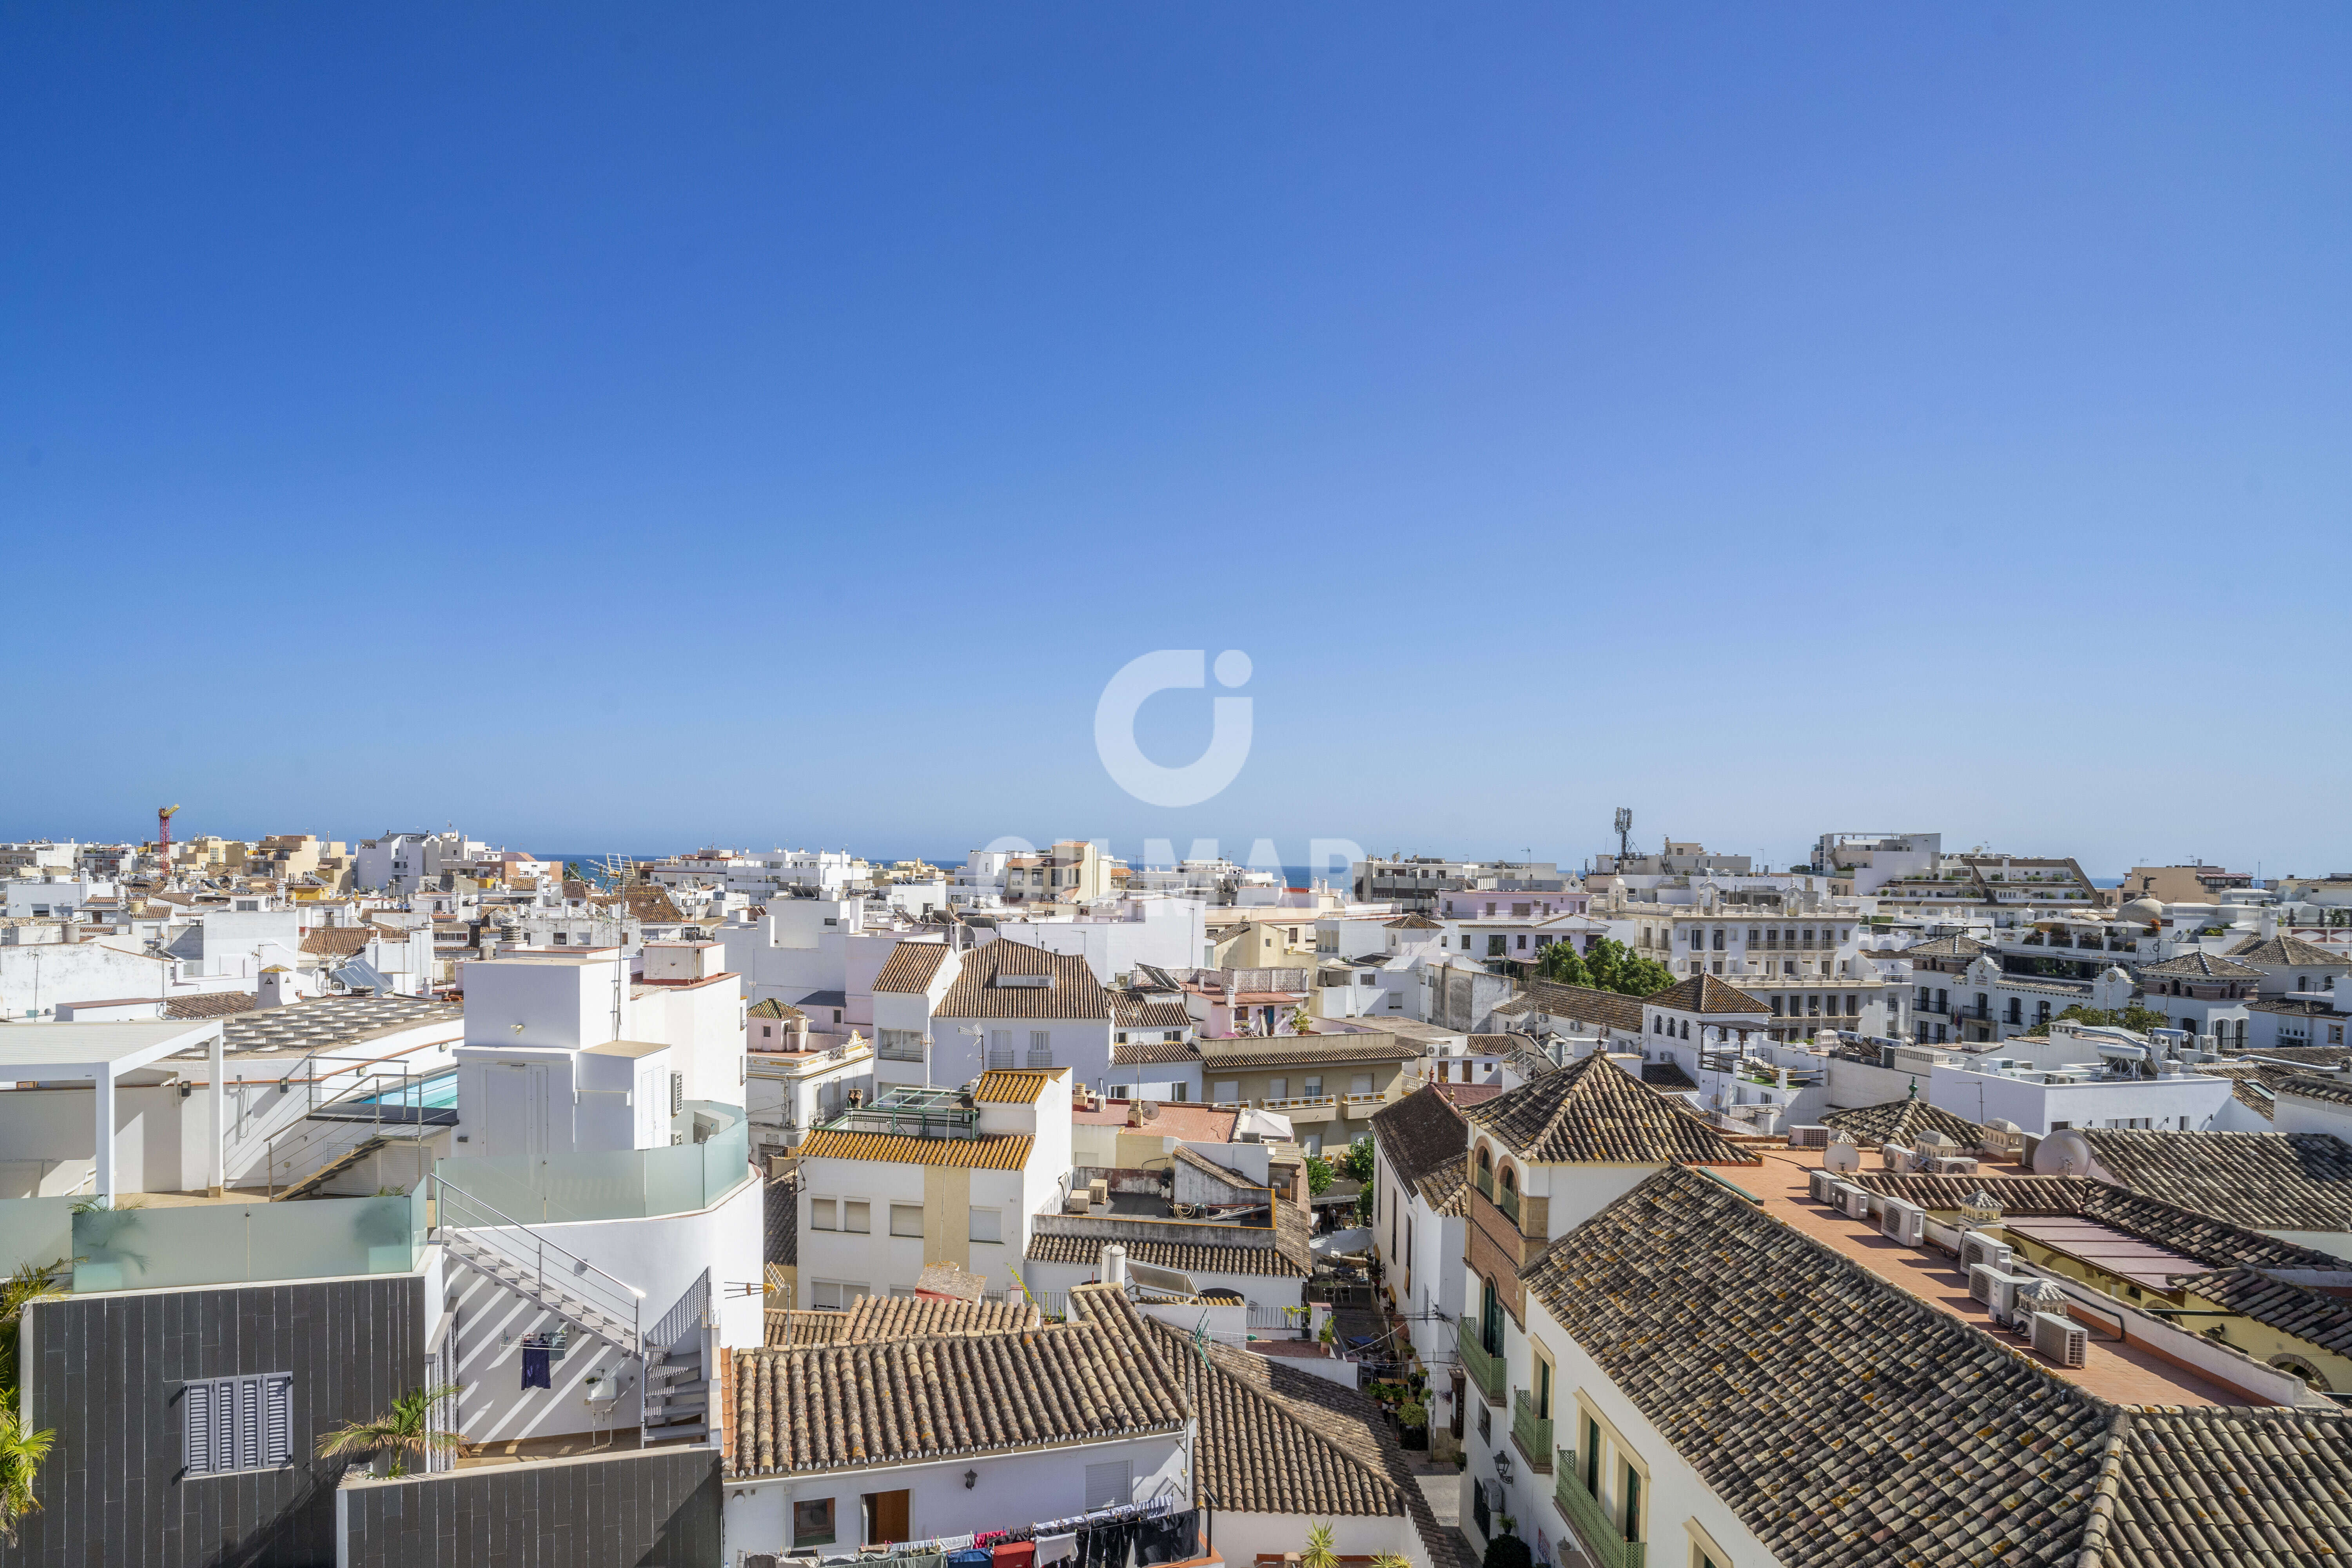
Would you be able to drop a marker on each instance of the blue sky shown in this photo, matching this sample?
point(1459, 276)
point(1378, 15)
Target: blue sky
point(776, 423)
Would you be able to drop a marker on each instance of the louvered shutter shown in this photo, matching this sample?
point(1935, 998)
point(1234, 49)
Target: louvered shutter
point(198, 1413)
point(248, 1423)
point(277, 1418)
point(1110, 1485)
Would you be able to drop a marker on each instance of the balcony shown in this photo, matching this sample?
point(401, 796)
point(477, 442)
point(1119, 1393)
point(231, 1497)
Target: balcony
point(1509, 1203)
point(1306, 1107)
point(1594, 1532)
point(1486, 1180)
point(1531, 1432)
point(1486, 1368)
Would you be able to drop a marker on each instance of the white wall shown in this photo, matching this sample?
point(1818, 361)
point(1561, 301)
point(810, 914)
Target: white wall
point(1240, 1536)
point(662, 1257)
point(2101, 1103)
point(1009, 1491)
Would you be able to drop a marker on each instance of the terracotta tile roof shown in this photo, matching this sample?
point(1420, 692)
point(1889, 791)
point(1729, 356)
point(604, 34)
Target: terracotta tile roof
point(1578, 1004)
point(2201, 966)
point(1732, 1333)
point(1286, 1050)
point(1667, 1077)
point(650, 904)
point(1073, 993)
point(1953, 946)
point(2264, 1181)
point(1008, 1154)
point(1189, 1256)
point(1706, 994)
point(946, 1394)
point(1949, 1445)
point(911, 967)
point(2252, 1084)
point(1256, 1453)
point(906, 1317)
point(2305, 1055)
point(338, 941)
point(1129, 1011)
point(2335, 1091)
point(1593, 1111)
point(1004, 1086)
point(2286, 952)
point(1466, 1094)
point(1144, 1052)
point(805, 1327)
point(2293, 1007)
point(1421, 1135)
point(211, 1004)
point(2323, 1320)
point(1414, 922)
point(772, 1008)
point(1900, 1121)
point(2220, 1486)
point(2214, 1242)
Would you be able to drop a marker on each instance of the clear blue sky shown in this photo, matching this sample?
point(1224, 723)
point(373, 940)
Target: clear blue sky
point(623, 428)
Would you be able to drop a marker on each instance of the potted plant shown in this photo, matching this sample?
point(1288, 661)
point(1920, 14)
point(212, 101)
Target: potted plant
point(1322, 1548)
point(1412, 1423)
point(403, 1431)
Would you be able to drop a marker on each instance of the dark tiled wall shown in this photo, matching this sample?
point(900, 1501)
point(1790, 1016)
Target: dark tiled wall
point(104, 1373)
point(657, 1509)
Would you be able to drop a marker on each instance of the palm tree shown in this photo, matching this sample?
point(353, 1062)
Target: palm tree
point(1321, 1549)
point(405, 1430)
point(1391, 1560)
point(30, 1283)
point(21, 1453)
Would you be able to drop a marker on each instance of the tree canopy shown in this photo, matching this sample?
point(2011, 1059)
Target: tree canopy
point(1607, 965)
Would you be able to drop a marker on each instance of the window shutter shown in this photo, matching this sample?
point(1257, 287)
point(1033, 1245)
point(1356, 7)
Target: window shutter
point(1110, 1485)
point(248, 1423)
point(277, 1419)
point(199, 1417)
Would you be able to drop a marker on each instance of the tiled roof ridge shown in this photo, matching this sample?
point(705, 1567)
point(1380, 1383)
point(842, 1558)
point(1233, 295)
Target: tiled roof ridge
point(1716, 1188)
point(1719, 1465)
point(1179, 1344)
point(1555, 1095)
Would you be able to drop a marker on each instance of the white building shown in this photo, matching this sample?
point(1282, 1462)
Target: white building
point(926, 1176)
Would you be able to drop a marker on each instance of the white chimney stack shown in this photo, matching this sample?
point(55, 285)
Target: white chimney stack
point(1114, 1265)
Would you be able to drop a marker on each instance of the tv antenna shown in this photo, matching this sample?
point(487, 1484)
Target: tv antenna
point(1624, 829)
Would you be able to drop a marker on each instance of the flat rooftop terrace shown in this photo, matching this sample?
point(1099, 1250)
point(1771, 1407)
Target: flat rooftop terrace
point(2120, 1372)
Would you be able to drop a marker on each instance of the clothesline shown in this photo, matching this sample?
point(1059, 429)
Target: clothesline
point(1117, 1513)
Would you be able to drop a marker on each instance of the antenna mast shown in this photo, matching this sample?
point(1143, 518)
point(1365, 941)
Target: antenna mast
point(1624, 832)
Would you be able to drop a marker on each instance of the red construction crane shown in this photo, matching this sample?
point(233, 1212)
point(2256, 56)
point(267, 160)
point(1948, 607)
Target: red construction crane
point(163, 839)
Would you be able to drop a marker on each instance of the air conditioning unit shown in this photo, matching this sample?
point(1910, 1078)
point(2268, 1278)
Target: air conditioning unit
point(1824, 1185)
point(1899, 1159)
point(1997, 1290)
point(1977, 1247)
point(1809, 1137)
point(1952, 1165)
point(2060, 1340)
point(1854, 1202)
point(1099, 1192)
point(1901, 1222)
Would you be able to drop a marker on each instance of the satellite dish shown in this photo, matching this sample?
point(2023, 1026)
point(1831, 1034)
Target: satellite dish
point(1842, 1157)
point(2063, 1153)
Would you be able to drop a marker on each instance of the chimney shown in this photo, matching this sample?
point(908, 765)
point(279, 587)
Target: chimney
point(1114, 1265)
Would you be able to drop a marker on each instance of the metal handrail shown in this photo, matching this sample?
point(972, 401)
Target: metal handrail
point(628, 1296)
